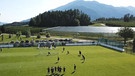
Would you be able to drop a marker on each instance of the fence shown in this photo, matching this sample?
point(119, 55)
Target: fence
point(111, 44)
point(103, 42)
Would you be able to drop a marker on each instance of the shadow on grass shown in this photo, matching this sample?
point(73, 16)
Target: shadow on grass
point(83, 61)
point(55, 74)
point(56, 62)
point(73, 72)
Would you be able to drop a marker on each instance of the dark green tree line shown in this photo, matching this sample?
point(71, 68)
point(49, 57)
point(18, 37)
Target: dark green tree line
point(60, 18)
point(128, 17)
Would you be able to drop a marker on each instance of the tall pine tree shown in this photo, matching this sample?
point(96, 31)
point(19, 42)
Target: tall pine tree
point(60, 18)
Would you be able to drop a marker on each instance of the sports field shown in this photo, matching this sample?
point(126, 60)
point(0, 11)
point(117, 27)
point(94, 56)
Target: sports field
point(99, 61)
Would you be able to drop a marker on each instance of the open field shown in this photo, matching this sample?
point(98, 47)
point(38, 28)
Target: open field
point(99, 61)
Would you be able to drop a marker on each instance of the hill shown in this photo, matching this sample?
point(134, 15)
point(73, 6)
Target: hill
point(16, 24)
point(26, 21)
point(96, 10)
point(1, 23)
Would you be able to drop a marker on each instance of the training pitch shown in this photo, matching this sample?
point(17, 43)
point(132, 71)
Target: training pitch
point(99, 61)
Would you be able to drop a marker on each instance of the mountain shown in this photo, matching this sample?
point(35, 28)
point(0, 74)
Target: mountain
point(96, 10)
point(1, 23)
point(21, 23)
point(131, 8)
point(16, 24)
point(27, 20)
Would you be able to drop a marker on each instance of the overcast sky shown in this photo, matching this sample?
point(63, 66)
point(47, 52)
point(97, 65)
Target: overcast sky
point(18, 10)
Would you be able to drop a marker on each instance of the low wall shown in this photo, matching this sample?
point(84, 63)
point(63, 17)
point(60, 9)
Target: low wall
point(95, 43)
point(6, 45)
point(112, 47)
point(75, 44)
point(81, 44)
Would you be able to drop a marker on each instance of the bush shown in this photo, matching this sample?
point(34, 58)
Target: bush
point(0, 32)
point(38, 36)
point(28, 34)
point(42, 33)
point(48, 35)
point(9, 36)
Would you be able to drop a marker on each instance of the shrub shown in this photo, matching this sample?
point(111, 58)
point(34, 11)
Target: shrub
point(9, 36)
point(38, 36)
point(48, 35)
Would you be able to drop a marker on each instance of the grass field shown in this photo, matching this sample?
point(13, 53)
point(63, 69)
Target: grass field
point(99, 61)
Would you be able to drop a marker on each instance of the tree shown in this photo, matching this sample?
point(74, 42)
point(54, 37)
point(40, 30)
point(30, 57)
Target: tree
point(47, 35)
point(127, 17)
point(32, 22)
point(3, 29)
point(133, 45)
point(28, 34)
point(18, 34)
point(0, 32)
point(131, 17)
point(72, 17)
point(38, 36)
point(9, 36)
point(2, 37)
point(126, 32)
point(76, 22)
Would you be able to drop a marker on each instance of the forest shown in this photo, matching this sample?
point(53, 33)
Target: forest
point(128, 20)
point(60, 18)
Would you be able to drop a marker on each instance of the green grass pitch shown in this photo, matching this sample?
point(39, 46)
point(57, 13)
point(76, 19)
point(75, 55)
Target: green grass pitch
point(99, 61)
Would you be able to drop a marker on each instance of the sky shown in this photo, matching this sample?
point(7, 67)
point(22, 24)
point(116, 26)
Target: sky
point(18, 10)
